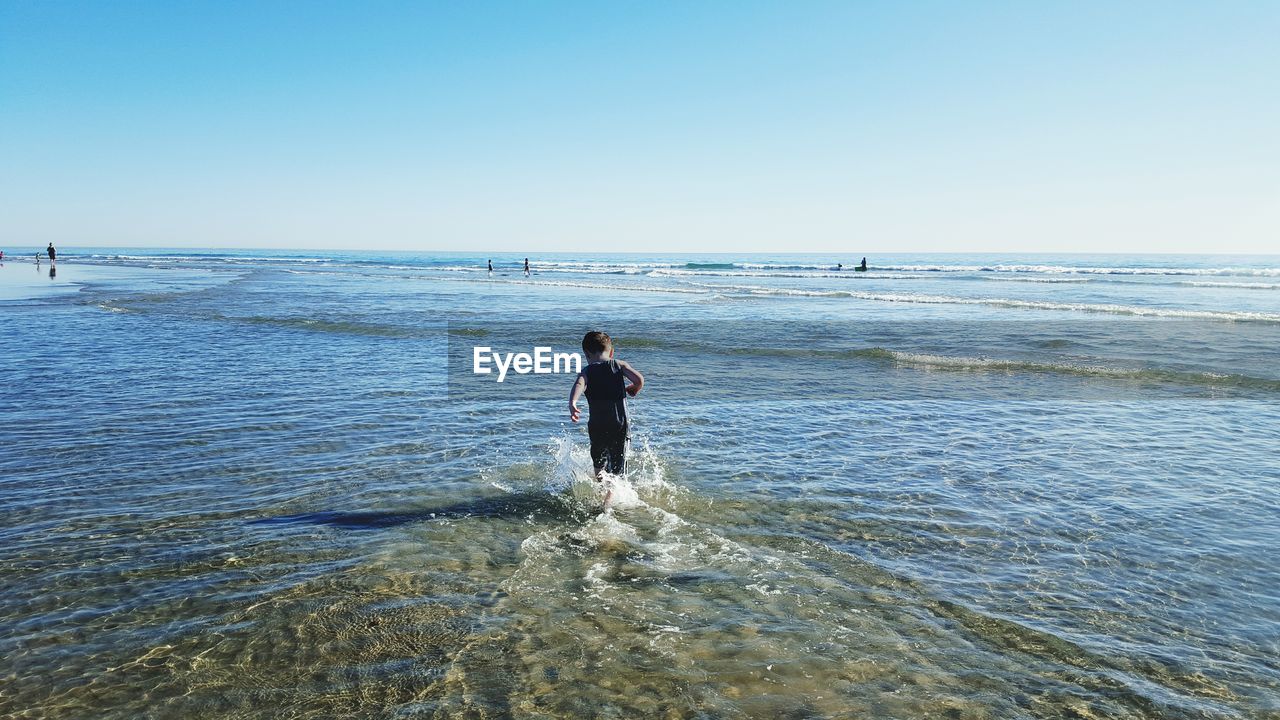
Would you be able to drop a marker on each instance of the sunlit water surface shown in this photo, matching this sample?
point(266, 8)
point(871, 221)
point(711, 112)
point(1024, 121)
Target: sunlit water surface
point(262, 485)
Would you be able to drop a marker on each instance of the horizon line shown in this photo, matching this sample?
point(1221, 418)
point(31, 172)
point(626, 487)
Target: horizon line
point(531, 252)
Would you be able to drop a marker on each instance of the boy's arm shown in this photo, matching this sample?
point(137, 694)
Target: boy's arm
point(637, 380)
point(579, 387)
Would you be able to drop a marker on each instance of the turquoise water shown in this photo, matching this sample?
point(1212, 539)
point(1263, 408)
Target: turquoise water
point(264, 484)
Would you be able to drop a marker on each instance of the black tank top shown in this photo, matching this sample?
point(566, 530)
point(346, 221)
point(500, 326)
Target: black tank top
point(606, 394)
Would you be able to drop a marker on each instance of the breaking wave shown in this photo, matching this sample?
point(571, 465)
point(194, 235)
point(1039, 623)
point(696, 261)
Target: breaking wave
point(1155, 375)
point(1114, 309)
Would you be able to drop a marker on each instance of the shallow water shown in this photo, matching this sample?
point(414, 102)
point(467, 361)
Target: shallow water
point(255, 485)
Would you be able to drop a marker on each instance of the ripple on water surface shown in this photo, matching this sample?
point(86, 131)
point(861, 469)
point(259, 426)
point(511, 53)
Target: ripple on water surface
point(254, 497)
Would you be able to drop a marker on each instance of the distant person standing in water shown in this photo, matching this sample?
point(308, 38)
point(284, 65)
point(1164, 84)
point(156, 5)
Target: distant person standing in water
point(53, 254)
point(491, 268)
point(526, 267)
point(863, 266)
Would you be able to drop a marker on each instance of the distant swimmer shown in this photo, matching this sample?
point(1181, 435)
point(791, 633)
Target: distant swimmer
point(526, 267)
point(863, 266)
point(604, 381)
point(53, 254)
point(839, 266)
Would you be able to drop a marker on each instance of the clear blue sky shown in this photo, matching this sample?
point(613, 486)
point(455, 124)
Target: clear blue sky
point(849, 126)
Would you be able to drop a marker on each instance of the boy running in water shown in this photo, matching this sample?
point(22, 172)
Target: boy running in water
point(604, 382)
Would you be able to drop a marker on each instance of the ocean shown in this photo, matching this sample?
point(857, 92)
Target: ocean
point(243, 484)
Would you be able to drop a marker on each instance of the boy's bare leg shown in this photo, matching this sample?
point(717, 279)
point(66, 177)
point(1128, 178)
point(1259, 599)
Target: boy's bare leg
point(608, 495)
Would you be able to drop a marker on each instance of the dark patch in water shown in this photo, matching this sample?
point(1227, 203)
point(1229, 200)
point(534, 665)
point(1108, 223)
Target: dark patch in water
point(1057, 343)
point(540, 505)
point(326, 326)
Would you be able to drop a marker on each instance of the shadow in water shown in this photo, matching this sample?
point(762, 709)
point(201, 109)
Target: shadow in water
point(535, 505)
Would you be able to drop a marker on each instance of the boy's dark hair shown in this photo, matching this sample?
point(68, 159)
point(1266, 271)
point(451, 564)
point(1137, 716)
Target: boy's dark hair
point(595, 342)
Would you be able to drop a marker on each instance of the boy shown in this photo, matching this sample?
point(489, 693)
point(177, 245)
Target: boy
point(603, 381)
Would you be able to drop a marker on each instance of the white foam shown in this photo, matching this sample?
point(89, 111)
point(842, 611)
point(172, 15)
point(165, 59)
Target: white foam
point(1006, 278)
point(606, 528)
point(566, 283)
point(572, 465)
point(572, 471)
point(1239, 285)
point(621, 493)
point(764, 589)
point(1153, 374)
point(602, 270)
point(983, 363)
point(827, 273)
point(1136, 310)
point(564, 264)
point(595, 583)
point(1070, 269)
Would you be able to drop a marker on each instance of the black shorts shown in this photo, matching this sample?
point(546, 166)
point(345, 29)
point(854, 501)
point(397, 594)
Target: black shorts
point(608, 447)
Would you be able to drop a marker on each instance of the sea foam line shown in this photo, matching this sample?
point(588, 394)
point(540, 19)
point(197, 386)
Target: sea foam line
point(564, 283)
point(1235, 285)
point(1005, 278)
point(708, 268)
point(826, 273)
point(1072, 270)
point(954, 362)
point(1135, 310)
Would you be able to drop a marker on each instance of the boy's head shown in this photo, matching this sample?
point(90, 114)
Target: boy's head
point(596, 343)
